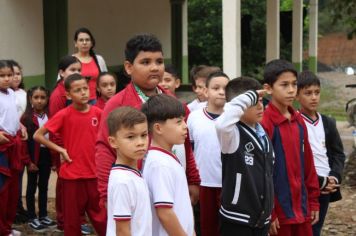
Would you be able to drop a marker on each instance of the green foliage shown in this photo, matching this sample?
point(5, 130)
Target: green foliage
point(205, 32)
point(344, 11)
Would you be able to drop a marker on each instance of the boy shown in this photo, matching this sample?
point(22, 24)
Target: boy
point(170, 79)
point(77, 125)
point(198, 76)
point(296, 185)
point(247, 161)
point(144, 63)
point(129, 210)
point(201, 125)
point(167, 184)
point(325, 143)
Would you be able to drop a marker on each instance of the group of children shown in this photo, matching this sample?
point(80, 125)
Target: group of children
point(139, 165)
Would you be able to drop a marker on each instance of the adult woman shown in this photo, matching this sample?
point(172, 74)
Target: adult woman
point(92, 64)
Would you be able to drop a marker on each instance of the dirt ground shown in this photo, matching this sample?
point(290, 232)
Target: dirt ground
point(341, 218)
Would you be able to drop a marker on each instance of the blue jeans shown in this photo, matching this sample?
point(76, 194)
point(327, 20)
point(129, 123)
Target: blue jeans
point(324, 200)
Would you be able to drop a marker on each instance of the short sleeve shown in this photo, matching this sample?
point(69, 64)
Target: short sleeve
point(55, 124)
point(161, 185)
point(122, 202)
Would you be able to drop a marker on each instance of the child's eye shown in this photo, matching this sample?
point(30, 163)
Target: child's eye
point(144, 135)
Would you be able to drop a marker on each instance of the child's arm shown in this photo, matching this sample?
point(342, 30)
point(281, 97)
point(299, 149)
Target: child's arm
point(3, 138)
point(39, 137)
point(123, 228)
point(227, 132)
point(169, 221)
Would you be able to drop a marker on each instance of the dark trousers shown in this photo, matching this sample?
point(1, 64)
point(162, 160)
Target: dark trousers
point(233, 229)
point(209, 200)
point(19, 203)
point(40, 179)
point(324, 200)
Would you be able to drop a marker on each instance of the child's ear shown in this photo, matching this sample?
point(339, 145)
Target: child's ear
point(61, 73)
point(268, 88)
point(111, 141)
point(156, 128)
point(68, 96)
point(128, 67)
point(177, 83)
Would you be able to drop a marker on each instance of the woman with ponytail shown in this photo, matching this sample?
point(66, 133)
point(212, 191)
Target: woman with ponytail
point(92, 64)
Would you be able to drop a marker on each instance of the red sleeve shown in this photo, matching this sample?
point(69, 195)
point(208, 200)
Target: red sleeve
point(104, 155)
point(192, 172)
point(310, 176)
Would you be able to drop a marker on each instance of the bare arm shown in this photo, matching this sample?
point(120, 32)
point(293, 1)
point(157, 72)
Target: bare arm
point(123, 228)
point(170, 222)
point(39, 136)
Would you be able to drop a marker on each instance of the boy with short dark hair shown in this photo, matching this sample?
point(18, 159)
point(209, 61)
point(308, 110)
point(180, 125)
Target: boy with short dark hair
point(144, 63)
point(325, 142)
point(129, 209)
point(296, 185)
point(77, 124)
point(201, 125)
point(198, 76)
point(247, 161)
point(170, 79)
point(167, 184)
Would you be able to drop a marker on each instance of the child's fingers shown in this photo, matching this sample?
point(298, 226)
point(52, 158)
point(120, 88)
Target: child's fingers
point(261, 92)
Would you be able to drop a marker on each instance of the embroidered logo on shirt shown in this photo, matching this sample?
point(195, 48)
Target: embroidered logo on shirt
point(249, 147)
point(94, 121)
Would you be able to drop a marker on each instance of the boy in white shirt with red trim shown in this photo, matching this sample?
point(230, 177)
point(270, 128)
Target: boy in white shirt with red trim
point(129, 211)
point(165, 176)
point(207, 151)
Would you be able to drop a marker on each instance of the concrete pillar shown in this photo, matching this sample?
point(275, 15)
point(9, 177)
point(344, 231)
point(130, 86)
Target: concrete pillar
point(231, 37)
point(185, 66)
point(177, 34)
point(273, 30)
point(313, 35)
point(297, 34)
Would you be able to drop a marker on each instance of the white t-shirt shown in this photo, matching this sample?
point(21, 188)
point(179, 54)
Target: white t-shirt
point(196, 104)
point(42, 120)
point(128, 199)
point(168, 187)
point(207, 149)
point(9, 117)
point(21, 101)
point(316, 136)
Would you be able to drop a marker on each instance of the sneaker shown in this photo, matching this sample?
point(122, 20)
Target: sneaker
point(48, 222)
point(15, 232)
point(36, 225)
point(86, 230)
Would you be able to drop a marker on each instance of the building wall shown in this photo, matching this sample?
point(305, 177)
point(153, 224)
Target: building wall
point(112, 26)
point(22, 35)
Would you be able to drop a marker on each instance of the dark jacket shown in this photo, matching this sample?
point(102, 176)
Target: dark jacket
point(247, 181)
point(334, 151)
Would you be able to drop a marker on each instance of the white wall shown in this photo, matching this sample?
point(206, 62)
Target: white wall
point(113, 22)
point(21, 37)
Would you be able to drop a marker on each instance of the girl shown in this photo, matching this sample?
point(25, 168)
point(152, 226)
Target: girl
point(92, 64)
point(35, 116)
point(18, 86)
point(12, 135)
point(105, 88)
point(67, 65)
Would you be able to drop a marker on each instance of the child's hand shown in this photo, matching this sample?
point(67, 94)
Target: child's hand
point(331, 187)
point(261, 93)
point(314, 216)
point(64, 156)
point(24, 135)
point(32, 167)
point(273, 229)
point(3, 138)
